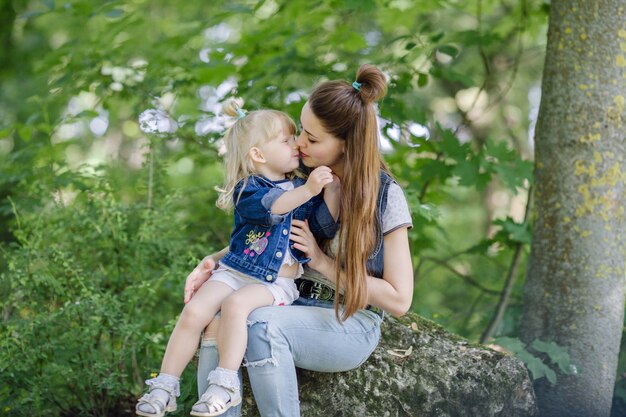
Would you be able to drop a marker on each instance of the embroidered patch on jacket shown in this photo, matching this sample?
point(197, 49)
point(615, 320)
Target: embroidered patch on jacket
point(257, 243)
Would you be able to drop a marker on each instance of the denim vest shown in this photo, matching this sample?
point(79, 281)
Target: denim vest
point(375, 262)
point(260, 239)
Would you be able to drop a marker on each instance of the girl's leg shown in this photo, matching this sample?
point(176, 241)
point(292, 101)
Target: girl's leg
point(279, 339)
point(223, 391)
point(232, 335)
point(196, 315)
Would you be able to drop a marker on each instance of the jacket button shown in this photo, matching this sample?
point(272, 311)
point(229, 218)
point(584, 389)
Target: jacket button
point(279, 254)
point(268, 278)
point(285, 231)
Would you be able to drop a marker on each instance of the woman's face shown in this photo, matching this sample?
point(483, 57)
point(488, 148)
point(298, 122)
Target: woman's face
point(318, 147)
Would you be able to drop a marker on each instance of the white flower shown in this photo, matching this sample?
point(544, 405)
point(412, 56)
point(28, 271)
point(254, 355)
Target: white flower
point(156, 121)
point(210, 125)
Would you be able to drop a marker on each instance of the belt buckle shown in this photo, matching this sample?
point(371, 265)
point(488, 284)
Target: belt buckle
point(316, 290)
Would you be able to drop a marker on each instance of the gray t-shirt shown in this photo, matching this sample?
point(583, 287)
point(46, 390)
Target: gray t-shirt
point(395, 216)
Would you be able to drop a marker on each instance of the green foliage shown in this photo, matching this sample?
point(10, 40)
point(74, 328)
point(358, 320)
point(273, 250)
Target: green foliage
point(555, 356)
point(460, 70)
point(88, 288)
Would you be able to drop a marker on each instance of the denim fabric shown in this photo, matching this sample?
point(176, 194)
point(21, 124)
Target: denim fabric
point(207, 361)
point(305, 335)
point(375, 262)
point(259, 239)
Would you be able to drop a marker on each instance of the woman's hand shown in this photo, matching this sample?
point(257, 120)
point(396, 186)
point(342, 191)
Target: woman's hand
point(198, 276)
point(304, 240)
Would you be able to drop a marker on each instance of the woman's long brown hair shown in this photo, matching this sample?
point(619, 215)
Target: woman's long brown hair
point(348, 113)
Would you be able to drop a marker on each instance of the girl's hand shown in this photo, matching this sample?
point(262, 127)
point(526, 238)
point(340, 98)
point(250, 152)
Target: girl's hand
point(318, 178)
point(304, 240)
point(198, 276)
point(333, 186)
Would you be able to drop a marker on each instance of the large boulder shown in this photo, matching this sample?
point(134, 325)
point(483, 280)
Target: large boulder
point(419, 369)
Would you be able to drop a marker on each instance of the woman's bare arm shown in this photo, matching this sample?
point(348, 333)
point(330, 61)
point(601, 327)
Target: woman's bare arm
point(201, 273)
point(394, 292)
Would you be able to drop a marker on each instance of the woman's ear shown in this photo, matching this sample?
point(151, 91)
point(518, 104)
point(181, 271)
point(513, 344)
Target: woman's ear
point(256, 155)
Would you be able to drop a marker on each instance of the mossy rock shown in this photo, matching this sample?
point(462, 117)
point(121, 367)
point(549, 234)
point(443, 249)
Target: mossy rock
point(419, 370)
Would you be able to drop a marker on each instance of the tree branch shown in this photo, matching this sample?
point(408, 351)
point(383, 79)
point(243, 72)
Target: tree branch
point(510, 280)
point(467, 278)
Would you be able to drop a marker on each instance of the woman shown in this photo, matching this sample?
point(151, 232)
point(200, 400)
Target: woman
point(322, 331)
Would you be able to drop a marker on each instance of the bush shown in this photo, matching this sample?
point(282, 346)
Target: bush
point(87, 289)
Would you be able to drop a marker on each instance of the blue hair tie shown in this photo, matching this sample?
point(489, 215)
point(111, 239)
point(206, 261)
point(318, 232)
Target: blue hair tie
point(241, 113)
point(357, 85)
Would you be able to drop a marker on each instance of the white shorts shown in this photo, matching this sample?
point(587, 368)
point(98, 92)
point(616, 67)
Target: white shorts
point(283, 289)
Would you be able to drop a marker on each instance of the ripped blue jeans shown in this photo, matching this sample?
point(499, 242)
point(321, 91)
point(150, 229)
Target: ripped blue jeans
point(305, 335)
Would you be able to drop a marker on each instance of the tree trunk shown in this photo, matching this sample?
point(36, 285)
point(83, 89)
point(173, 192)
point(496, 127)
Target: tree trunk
point(418, 369)
point(574, 294)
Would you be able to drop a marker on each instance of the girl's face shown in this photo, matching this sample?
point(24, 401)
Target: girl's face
point(318, 147)
point(280, 156)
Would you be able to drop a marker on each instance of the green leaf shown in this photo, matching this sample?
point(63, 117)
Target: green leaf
point(448, 50)
point(450, 74)
point(558, 355)
point(437, 37)
point(5, 132)
point(512, 344)
point(537, 368)
point(422, 79)
point(451, 145)
point(515, 232)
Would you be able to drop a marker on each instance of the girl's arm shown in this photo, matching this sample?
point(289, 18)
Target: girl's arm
point(394, 292)
point(202, 273)
point(290, 200)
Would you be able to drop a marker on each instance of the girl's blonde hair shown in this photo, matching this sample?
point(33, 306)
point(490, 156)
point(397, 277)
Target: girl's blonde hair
point(251, 129)
point(347, 112)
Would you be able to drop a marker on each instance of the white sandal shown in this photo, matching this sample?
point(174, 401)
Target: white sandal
point(214, 402)
point(209, 406)
point(160, 408)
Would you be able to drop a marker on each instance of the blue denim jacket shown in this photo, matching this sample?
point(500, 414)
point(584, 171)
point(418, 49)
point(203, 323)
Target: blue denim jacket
point(375, 262)
point(260, 239)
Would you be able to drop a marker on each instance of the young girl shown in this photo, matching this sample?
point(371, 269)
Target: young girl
point(260, 267)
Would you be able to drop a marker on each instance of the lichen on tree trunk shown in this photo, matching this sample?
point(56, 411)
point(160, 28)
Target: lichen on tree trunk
point(574, 294)
point(430, 373)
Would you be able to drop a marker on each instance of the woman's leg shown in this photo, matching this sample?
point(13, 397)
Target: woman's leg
point(207, 361)
point(281, 338)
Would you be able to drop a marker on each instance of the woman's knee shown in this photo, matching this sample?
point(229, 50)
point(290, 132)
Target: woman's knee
point(261, 339)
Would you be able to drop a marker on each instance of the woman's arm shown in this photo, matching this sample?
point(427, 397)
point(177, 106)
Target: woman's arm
point(201, 273)
point(394, 292)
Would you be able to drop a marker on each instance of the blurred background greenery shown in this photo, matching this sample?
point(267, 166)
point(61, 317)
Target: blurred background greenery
point(110, 151)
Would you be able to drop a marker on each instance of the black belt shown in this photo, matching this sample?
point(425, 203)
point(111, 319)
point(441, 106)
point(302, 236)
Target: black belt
point(318, 291)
